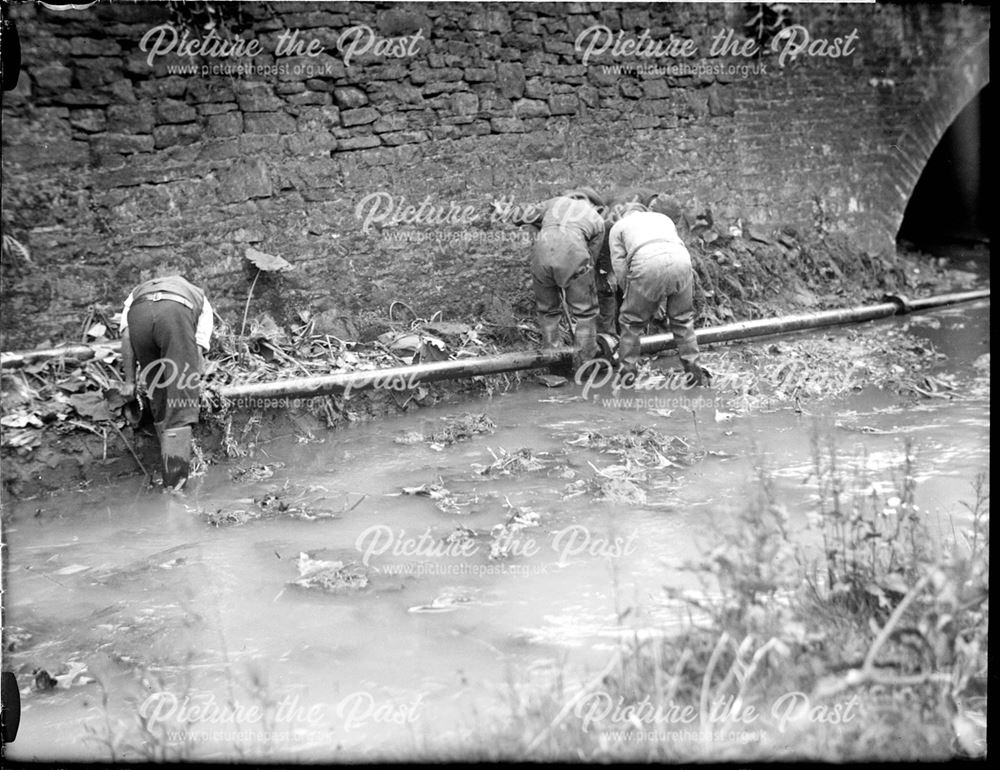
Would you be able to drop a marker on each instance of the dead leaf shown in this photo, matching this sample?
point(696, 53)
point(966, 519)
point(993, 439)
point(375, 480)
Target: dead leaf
point(20, 420)
point(97, 330)
point(92, 405)
point(267, 262)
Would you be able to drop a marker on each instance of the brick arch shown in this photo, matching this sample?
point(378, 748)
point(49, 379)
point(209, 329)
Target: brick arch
point(913, 148)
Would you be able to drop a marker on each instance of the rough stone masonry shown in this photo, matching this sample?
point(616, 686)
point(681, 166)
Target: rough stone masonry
point(121, 156)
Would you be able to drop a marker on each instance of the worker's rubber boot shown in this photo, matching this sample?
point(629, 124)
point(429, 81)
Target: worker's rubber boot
point(585, 342)
point(628, 350)
point(552, 339)
point(175, 449)
point(549, 326)
point(697, 376)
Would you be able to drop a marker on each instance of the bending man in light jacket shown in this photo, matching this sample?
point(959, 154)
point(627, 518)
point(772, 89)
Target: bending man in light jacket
point(653, 266)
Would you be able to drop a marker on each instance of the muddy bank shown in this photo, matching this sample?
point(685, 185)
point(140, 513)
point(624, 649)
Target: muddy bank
point(61, 428)
point(61, 459)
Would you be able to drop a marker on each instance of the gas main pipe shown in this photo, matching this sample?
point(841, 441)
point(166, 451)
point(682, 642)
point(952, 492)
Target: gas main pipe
point(895, 304)
point(407, 376)
point(507, 362)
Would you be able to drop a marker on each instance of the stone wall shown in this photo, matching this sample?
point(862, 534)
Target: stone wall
point(118, 165)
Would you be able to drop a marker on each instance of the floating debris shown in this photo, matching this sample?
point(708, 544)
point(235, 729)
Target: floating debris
point(410, 437)
point(844, 425)
point(938, 386)
point(255, 472)
point(462, 428)
point(504, 543)
point(620, 490)
point(331, 576)
point(227, 517)
point(448, 601)
point(461, 536)
point(576, 488)
point(643, 446)
point(512, 463)
point(724, 416)
point(43, 681)
point(561, 399)
point(14, 638)
point(444, 499)
point(278, 501)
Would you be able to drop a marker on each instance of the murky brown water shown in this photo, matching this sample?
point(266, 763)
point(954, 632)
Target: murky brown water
point(422, 657)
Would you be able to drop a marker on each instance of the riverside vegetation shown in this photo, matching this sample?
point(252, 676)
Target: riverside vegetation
point(868, 642)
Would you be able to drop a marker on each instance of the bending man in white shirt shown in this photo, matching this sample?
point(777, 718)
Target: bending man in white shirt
point(653, 266)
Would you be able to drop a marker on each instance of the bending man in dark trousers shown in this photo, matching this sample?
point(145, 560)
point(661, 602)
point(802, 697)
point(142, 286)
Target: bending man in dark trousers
point(562, 265)
point(653, 266)
point(166, 326)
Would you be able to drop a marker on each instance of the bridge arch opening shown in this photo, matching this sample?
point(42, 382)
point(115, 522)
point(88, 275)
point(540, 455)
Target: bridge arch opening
point(949, 209)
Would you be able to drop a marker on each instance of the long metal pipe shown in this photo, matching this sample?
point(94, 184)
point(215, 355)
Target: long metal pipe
point(406, 376)
point(79, 352)
point(894, 304)
point(396, 377)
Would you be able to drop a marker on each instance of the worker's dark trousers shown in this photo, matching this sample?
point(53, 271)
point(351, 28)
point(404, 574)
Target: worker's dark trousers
point(561, 267)
point(659, 278)
point(163, 340)
point(607, 305)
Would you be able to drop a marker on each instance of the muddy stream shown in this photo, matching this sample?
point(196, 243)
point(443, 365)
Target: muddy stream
point(141, 603)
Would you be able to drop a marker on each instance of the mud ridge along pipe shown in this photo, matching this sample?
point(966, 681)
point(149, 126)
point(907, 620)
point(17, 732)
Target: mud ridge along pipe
point(401, 377)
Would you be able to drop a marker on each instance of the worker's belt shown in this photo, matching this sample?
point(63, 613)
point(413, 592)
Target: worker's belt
point(631, 254)
point(156, 296)
point(646, 243)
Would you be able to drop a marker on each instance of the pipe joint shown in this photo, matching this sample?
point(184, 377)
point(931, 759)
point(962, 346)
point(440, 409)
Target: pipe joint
point(901, 301)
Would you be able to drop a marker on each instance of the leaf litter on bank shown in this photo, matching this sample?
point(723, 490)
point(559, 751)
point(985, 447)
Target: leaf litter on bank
point(756, 376)
point(35, 397)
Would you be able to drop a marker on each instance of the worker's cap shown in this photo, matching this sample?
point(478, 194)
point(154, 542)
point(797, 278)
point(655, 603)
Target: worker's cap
point(643, 195)
point(586, 192)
